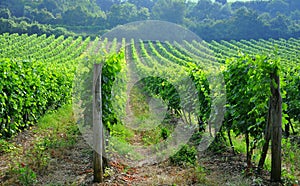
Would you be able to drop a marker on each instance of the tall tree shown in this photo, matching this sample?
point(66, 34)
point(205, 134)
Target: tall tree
point(223, 2)
point(125, 13)
point(202, 10)
point(278, 6)
point(246, 25)
point(105, 5)
point(142, 3)
point(49, 5)
point(170, 10)
point(16, 7)
point(293, 4)
point(279, 26)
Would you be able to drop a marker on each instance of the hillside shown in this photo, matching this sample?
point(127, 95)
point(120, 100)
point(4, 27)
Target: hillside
point(155, 124)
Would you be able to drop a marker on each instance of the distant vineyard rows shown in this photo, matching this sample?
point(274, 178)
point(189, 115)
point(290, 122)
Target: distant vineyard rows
point(37, 72)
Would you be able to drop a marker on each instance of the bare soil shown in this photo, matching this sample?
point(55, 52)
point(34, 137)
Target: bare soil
point(73, 166)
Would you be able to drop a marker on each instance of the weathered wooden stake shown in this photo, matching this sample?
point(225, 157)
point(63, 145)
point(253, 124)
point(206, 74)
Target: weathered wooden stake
point(98, 139)
point(265, 149)
point(276, 122)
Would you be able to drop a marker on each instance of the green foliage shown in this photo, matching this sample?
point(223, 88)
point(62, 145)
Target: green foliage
point(217, 146)
point(24, 27)
point(6, 146)
point(39, 157)
point(29, 88)
point(151, 137)
point(113, 84)
point(211, 20)
point(169, 10)
point(125, 13)
point(186, 155)
point(36, 83)
point(292, 80)
point(159, 87)
point(54, 132)
point(26, 175)
point(165, 133)
point(248, 94)
point(123, 148)
point(200, 174)
point(167, 80)
point(112, 105)
point(199, 77)
point(37, 76)
point(59, 131)
point(291, 159)
point(120, 131)
point(196, 138)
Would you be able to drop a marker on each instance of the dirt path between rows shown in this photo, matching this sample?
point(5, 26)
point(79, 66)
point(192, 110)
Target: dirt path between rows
point(73, 166)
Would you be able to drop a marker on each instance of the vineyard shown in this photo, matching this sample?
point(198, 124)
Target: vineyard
point(222, 88)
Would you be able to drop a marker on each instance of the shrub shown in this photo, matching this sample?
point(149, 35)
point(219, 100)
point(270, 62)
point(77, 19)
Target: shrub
point(186, 155)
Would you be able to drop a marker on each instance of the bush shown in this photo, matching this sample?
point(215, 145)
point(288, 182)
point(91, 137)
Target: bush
point(186, 155)
point(165, 133)
point(29, 89)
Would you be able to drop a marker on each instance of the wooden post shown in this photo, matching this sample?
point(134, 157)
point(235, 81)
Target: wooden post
point(267, 140)
point(276, 122)
point(97, 125)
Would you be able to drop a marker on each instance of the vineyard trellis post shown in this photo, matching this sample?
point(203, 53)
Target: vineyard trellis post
point(98, 138)
point(276, 121)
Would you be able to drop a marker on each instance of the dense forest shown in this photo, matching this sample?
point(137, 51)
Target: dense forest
point(211, 20)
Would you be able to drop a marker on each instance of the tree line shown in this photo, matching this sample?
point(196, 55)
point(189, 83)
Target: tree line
point(210, 20)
